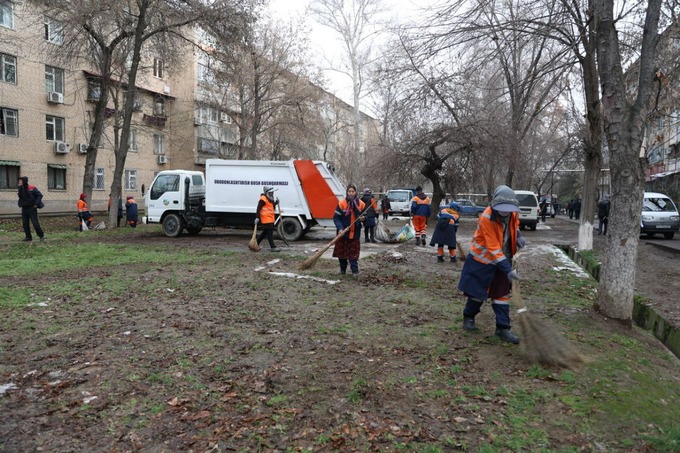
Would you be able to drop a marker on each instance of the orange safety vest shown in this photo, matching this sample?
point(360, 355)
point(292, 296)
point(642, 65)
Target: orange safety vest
point(82, 206)
point(342, 206)
point(267, 214)
point(487, 242)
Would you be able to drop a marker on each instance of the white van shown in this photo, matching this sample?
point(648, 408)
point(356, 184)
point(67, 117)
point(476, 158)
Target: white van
point(659, 215)
point(400, 201)
point(528, 205)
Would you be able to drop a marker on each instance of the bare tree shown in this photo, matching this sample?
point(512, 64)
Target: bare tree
point(271, 85)
point(356, 23)
point(624, 120)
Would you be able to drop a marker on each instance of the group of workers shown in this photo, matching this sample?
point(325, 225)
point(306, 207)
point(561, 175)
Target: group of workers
point(85, 217)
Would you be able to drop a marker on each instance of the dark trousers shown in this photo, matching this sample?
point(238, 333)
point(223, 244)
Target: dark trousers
point(269, 234)
point(353, 265)
point(32, 214)
point(369, 233)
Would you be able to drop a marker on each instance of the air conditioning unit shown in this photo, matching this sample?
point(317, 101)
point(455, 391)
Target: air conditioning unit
point(82, 148)
point(138, 105)
point(162, 159)
point(197, 121)
point(61, 148)
point(55, 97)
point(225, 118)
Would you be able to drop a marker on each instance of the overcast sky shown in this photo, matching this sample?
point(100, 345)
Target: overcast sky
point(324, 42)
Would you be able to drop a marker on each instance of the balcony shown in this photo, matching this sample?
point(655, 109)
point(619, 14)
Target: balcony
point(155, 120)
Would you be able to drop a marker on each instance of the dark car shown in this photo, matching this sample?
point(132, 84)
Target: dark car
point(468, 207)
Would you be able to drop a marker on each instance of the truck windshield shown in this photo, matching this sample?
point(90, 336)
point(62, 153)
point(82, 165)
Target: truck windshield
point(398, 196)
point(164, 183)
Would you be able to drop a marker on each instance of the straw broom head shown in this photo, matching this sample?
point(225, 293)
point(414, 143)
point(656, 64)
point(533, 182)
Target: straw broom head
point(309, 262)
point(461, 253)
point(252, 244)
point(541, 342)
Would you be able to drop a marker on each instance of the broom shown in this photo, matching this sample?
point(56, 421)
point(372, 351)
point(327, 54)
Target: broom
point(542, 343)
point(252, 244)
point(461, 253)
point(309, 262)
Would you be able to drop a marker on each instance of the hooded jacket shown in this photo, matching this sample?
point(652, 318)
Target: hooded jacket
point(29, 195)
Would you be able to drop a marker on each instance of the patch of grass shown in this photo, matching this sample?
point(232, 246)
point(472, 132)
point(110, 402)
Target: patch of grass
point(667, 440)
point(277, 400)
point(358, 391)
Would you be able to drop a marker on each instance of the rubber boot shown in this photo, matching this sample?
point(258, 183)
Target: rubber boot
point(507, 336)
point(469, 324)
point(440, 259)
point(454, 259)
point(423, 238)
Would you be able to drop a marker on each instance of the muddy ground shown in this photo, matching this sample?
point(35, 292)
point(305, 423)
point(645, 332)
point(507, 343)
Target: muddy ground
point(255, 358)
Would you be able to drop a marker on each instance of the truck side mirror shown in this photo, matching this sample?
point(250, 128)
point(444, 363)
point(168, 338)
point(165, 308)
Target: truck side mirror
point(143, 189)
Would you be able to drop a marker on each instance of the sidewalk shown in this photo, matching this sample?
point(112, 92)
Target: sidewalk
point(669, 245)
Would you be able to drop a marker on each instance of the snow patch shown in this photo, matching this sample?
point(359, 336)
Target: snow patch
point(7, 387)
point(565, 262)
point(316, 279)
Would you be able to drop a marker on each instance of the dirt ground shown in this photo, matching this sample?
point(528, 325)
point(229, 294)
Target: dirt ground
point(259, 359)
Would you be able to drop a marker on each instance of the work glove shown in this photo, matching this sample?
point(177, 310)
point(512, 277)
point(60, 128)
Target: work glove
point(513, 275)
point(257, 220)
point(521, 242)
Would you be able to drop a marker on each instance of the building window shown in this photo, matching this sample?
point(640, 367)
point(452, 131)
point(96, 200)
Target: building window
point(9, 174)
point(208, 146)
point(94, 90)
point(130, 179)
point(8, 68)
point(54, 79)
point(7, 13)
point(158, 68)
point(205, 74)
point(158, 144)
point(56, 177)
point(132, 140)
point(9, 123)
point(159, 107)
point(54, 31)
point(98, 179)
point(54, 128)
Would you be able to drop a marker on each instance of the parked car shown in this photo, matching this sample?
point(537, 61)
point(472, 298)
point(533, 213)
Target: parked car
point(468, 207)
point(528, 205)
point(659, 215)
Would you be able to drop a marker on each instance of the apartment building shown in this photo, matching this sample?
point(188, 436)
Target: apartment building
point(47, 108)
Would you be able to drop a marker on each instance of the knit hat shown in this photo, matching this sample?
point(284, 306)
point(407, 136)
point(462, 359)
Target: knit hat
point(419, 189)
point(367, 191)
point(83, 196)
point(24, 179)
point(129, 197)
point(455, 206)
point(504, 200)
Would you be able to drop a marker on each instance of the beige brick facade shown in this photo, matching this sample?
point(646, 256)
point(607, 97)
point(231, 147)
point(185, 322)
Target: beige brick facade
point(32, 147)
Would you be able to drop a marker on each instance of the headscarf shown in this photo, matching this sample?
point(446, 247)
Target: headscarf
point(352, 202)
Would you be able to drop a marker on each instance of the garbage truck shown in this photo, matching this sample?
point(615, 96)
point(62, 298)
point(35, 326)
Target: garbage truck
point(228, 194)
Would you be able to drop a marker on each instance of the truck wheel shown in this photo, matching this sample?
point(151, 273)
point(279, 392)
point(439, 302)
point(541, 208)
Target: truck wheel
point(290, 229)
point(668, 235)
point(193, 231)
point(532, 227)
point(172, 225)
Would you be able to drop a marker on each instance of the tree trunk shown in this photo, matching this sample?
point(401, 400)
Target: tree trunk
point(593, 143)
point(624, 123)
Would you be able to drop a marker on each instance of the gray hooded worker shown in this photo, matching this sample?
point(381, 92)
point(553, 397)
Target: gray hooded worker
point(487, 271)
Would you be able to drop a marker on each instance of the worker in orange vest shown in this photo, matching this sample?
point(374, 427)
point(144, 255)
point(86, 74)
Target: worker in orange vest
point(84, 215)
point(265, 216)
point(487, 272)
